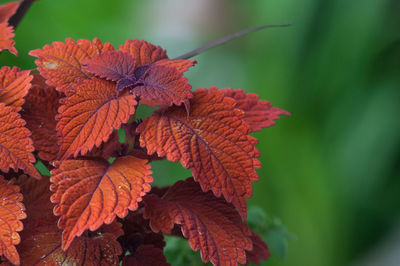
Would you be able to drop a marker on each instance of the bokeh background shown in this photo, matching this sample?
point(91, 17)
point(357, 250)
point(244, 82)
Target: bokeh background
point(330, 171)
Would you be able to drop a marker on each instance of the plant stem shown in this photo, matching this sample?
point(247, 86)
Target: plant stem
point(226, 39)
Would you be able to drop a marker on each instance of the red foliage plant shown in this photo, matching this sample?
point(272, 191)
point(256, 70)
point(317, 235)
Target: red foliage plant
point(67, 115)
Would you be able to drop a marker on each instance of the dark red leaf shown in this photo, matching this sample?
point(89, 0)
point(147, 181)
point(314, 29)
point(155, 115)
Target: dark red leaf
point(112, 65)
point(211, 225)
point(146, 255)
point(260, 250)
point(164, 86)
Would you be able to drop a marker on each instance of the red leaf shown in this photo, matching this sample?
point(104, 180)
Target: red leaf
point(146, 255)
point(165, 86)
point(15, 143)
point(112, 65)
point(41, 238)
point(89, 114)
point(143, 53)
point(8, 10)
point(89, 193)
point(138, 232)
point(258, 114)
point(61, 63)
point(180, 65)
point(211, 224)
point(11, 212)
point(39, 112)
point(260, 250)
point(6, 35)
point(14, 85)
point(212, 141)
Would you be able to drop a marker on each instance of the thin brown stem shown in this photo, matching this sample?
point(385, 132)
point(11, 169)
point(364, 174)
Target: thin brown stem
point(227, 39)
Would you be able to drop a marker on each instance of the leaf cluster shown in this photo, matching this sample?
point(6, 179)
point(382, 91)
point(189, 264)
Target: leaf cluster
point(98, 207)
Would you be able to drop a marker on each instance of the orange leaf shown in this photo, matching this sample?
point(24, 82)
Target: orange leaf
point(61, 63)
point(260, 250)
point(8, 10)
point(15, 143)
point(145, 53)
point(258, 114)
point(212, 141)
point(180, 65)
point(210, 224)
point(89, 114)
point(14, 85)
point(89, 193)
point(6, 35)
point(41, 238)
point(146, 255)
point(11, 212)
point(39, 112)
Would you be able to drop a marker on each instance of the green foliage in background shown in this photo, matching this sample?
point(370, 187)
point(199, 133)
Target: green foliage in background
point(331, 170)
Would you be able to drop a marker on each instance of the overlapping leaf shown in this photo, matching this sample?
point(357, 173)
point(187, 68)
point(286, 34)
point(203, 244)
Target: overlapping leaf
point(146, 255)
point(39, 112)
point(138, 232)
point(12, 211)
point(7, 32)
point(212, 141)
point(41, 238)
point(61, 63)
point(258, 113)
point(14, 85)
point(260, 250)
point(89, 114)
point(15, 143)
point(211, 225)
point(145, 53)
point(162, 85)
point(90, 192)
point(6, 41)
point(8, 10)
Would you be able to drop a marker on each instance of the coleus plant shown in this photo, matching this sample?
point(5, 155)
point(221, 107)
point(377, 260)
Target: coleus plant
point(98, 207)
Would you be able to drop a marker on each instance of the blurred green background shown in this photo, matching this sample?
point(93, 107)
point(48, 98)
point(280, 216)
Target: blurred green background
point(331, 170)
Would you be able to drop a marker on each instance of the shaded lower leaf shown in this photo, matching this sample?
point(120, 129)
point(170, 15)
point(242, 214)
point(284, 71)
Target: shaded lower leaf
point(211, 225)
point(39, 112)
point(90, 192)
point(16, 146)
point(146, 255)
